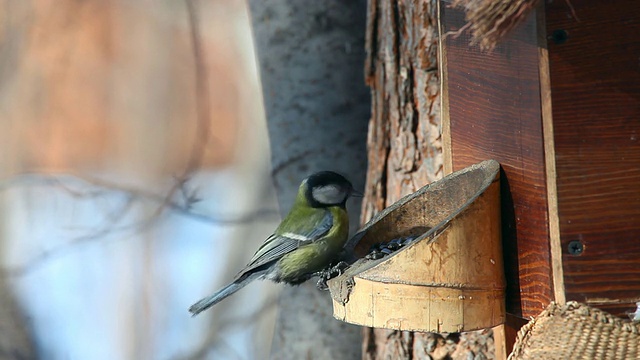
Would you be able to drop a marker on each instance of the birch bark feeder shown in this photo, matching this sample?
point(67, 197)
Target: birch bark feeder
point(450, 278)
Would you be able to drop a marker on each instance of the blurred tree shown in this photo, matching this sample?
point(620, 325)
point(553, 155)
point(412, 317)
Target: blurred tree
point(310, 56)
point(109, 119)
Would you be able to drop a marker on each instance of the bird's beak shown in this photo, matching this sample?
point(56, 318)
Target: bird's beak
point(356, 193)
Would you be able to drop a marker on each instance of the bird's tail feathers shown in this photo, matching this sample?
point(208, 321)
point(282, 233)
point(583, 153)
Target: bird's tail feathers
point(221, 294)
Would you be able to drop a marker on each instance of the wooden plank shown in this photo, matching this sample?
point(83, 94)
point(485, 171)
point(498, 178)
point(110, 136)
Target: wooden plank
point(555, 244)
point(595, 82)
point(495, 112)
point(505, 335)
point(447, 158)
point(501, 341)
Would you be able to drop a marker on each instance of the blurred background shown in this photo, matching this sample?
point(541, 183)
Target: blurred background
point(134, 156)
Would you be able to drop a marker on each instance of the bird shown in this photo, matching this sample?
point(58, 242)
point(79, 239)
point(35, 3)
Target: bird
point(308, 240)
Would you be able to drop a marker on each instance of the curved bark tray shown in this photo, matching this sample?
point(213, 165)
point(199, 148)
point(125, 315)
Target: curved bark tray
point(450, 278)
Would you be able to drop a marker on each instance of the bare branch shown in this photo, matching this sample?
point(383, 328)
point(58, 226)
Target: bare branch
point(104, 187)
point(91, 187)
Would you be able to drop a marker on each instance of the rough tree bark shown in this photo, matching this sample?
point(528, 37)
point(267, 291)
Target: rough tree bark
point(405, 146)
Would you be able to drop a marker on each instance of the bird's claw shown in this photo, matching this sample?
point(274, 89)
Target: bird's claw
point(322, 284)
point(338, 269)
point(329, 273)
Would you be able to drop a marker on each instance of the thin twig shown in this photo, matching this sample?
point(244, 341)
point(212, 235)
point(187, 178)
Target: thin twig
point(61, 180)
point(112, 218)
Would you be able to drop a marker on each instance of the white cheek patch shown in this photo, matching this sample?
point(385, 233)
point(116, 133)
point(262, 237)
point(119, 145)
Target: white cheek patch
point(329, 194)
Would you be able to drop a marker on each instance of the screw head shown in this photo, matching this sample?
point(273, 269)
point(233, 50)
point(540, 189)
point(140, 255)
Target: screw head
point(575, 247)
point(559, 36)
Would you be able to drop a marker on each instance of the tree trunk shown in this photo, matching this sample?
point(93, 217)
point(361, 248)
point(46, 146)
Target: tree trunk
point(310, 56)
point(405, 145)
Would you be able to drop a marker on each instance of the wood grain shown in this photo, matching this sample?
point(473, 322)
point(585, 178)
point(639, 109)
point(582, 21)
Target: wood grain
point(595, 84)
point(495, 112)
point(450, 279)
point(400, 35)
point(555, 244)
point(401, 68)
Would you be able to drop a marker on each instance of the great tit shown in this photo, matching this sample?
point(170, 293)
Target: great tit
point(306, 242)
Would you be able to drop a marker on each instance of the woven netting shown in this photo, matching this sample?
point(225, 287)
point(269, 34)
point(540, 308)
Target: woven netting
point(577, 331)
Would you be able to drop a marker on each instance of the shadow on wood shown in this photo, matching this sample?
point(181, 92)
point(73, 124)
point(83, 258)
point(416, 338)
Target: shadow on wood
point(450, 278)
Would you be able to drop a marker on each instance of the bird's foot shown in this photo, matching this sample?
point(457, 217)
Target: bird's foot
point(329, 273)
point(322, 284)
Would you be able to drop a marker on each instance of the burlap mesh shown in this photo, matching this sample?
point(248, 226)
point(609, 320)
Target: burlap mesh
point(577, 331)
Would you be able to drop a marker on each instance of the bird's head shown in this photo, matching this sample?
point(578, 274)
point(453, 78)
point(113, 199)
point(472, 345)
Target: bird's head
point(326, 188)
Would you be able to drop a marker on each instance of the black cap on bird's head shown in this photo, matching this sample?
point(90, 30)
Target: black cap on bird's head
point(327, 188)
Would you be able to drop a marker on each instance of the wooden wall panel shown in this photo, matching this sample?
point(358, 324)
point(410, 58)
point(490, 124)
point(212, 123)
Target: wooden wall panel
point(594, 65)
point(494, 112)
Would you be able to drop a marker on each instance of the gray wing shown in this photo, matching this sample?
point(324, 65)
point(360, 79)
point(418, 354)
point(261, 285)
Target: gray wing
point(284, 242)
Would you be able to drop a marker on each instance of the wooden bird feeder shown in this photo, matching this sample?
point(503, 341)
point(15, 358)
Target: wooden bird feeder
point(450, 278)
point(556, 103)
